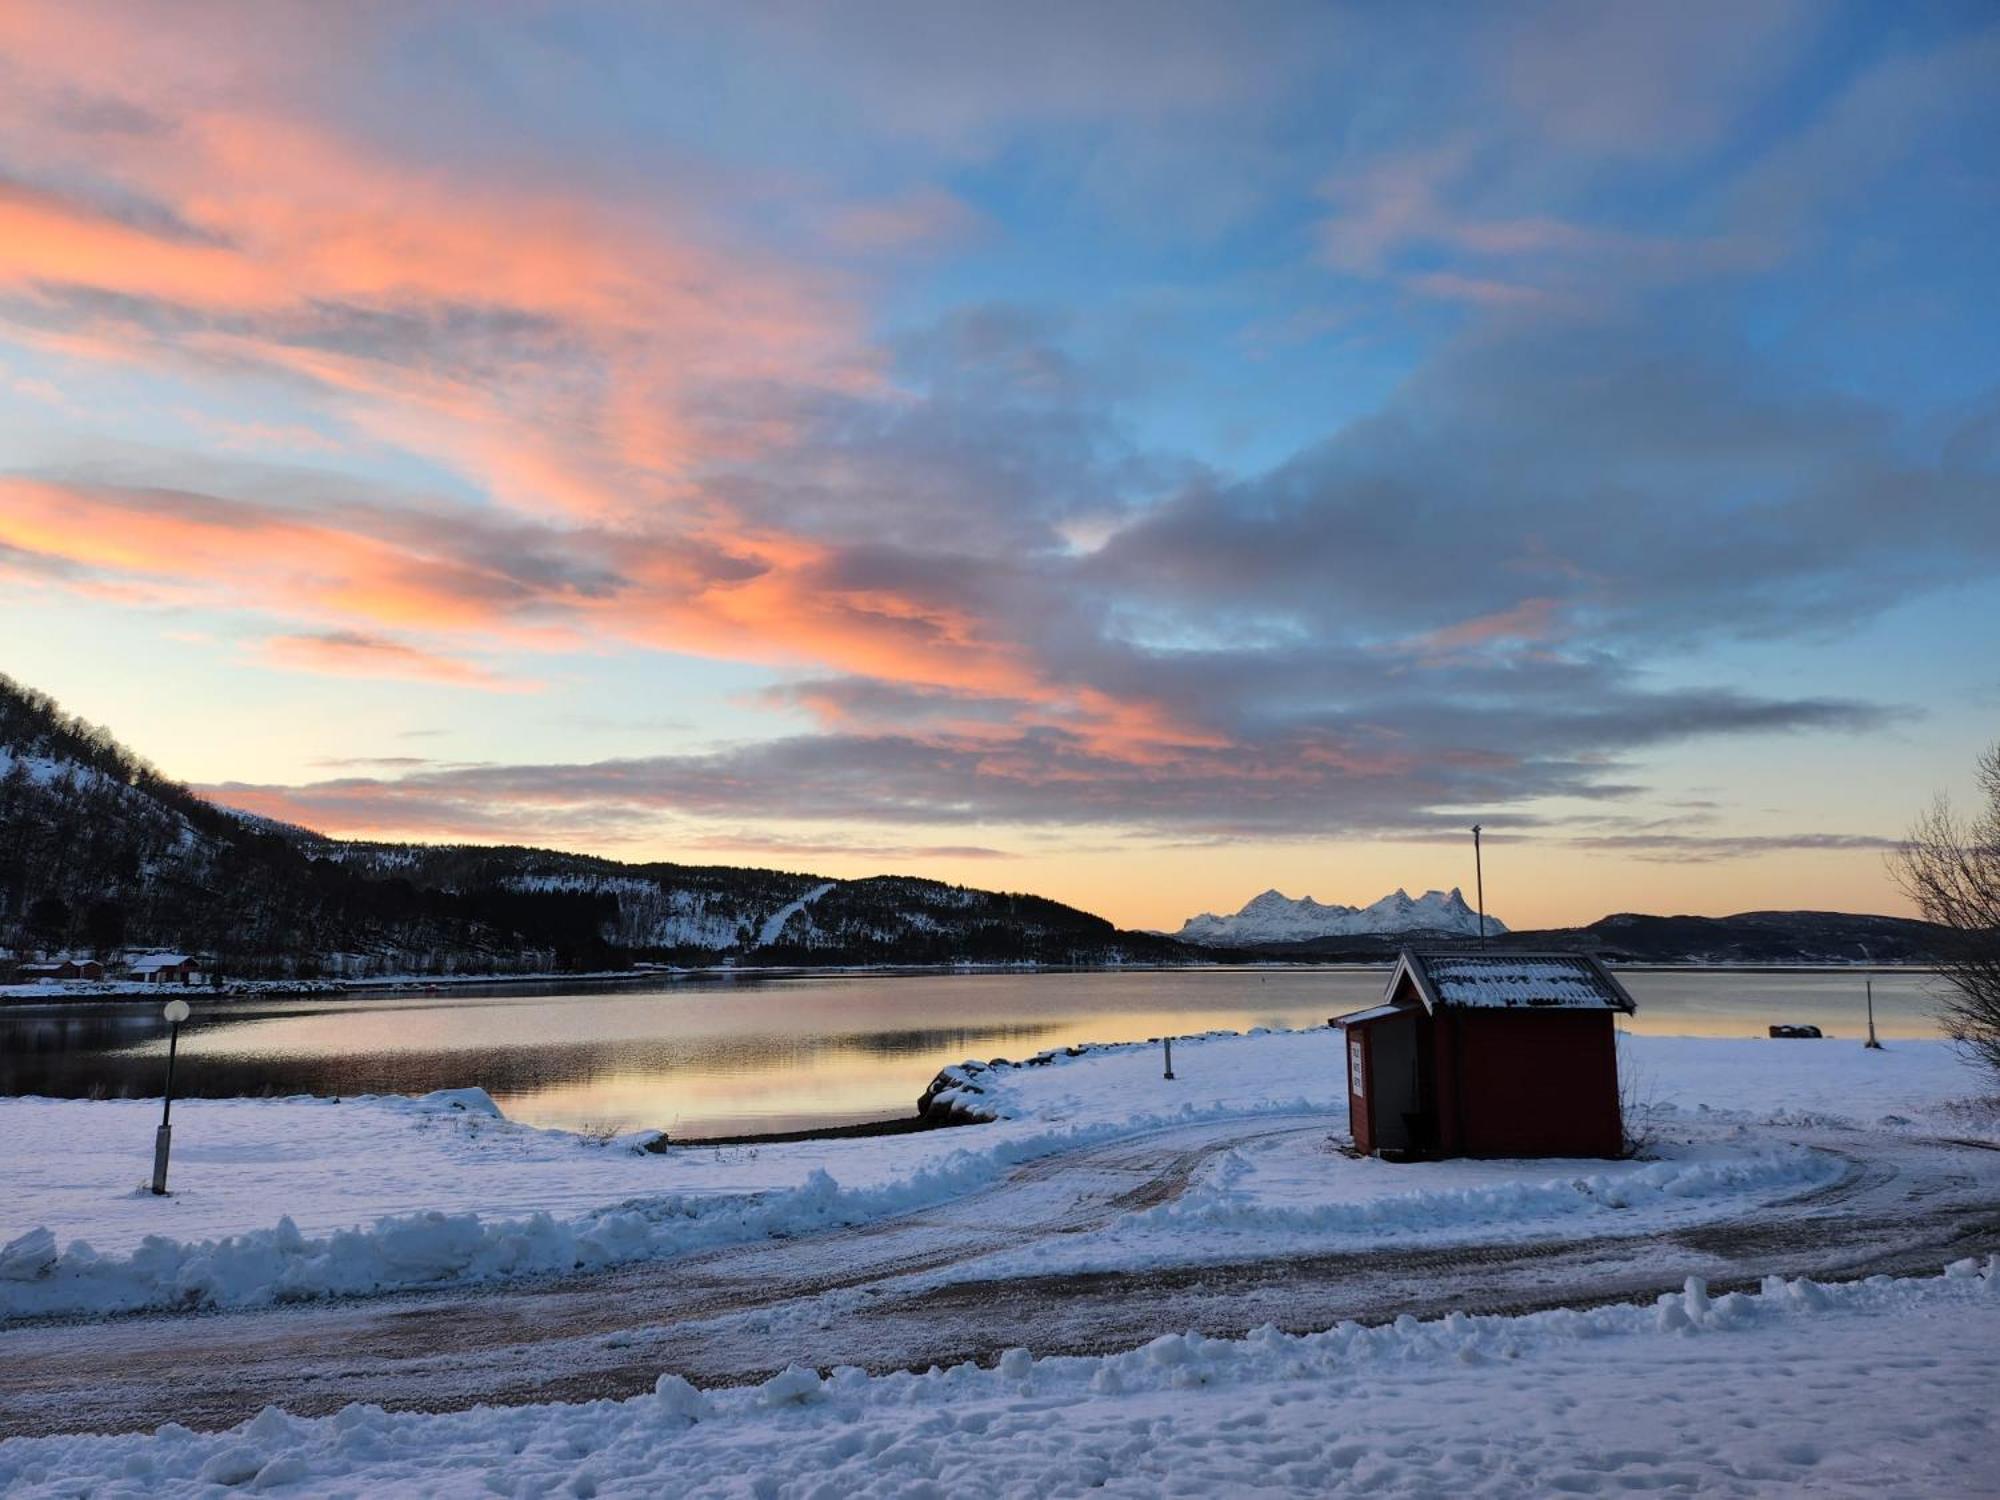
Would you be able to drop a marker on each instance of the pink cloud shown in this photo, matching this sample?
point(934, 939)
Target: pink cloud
point(348, 653)
point(1394, 217)
point(1485, 291)
point(566, 350)
point(1530, 620)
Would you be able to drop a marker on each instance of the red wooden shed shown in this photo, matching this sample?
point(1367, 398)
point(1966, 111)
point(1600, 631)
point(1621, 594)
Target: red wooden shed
point(162, 968)
point(1488, 1054)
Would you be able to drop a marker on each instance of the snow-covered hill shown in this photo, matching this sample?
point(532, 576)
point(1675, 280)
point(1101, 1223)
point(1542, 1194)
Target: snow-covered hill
point(99, 852)
point(1275, 918)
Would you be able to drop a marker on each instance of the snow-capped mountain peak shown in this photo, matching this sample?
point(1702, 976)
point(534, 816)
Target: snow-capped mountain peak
point(1274, 917)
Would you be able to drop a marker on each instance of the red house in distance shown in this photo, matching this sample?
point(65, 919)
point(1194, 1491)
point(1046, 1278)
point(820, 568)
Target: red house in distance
point(1488, 1054)
point(162, 968)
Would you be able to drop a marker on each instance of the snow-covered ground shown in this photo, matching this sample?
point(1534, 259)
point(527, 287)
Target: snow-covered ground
point(1748, 1079)
point(1297, 1194)
point(1880, 1387)
point(284, 1199)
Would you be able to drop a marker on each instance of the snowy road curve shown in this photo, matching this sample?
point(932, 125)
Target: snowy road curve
point(909, 1292)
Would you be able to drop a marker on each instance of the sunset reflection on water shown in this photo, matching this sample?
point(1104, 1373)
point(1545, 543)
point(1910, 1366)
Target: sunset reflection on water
point(715, 1057)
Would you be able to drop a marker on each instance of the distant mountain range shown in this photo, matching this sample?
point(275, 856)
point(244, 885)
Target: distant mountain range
point(99, 851)
point(1275, 918)
point(1275, 927)
point(1751, 937)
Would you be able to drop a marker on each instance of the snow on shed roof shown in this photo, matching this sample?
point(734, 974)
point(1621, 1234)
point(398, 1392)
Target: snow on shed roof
point(147, 961)
point(1511, 981)
point(1373, 1013)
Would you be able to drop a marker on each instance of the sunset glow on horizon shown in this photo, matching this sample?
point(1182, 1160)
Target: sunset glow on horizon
point(1140, 455)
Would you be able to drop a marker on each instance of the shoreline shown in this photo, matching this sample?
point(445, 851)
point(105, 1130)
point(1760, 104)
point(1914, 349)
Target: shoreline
point(110, 992)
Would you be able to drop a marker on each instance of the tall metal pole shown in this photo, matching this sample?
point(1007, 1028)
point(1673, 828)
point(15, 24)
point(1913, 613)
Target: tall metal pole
point(1479, 883)
point(1872, 1042)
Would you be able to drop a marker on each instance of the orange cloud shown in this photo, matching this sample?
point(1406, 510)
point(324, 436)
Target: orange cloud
point(580, 357)
point(191, 547)
point(366, 571)
point(348, 653)
point(565, 350)
point(1530, 620)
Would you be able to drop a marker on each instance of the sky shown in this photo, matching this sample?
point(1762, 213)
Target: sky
point(1141, 453)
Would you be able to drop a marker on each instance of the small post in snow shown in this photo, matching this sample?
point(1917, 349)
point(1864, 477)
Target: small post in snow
point(1168, 1043)
point(163, 1138)
point(1872, 1041)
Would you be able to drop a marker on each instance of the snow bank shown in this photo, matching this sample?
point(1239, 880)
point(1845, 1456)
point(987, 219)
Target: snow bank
point(1248, 1071)
point(380, 1194)
point(433, 1248)
point(471, 1101)
point(1927, 1084)
point(77, 1165)
point(1458, 1405)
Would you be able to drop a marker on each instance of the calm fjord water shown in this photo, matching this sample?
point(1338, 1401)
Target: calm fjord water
point(719, 1056)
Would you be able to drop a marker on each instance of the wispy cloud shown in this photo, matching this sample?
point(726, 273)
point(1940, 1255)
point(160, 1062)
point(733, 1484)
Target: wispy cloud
point(808, 848)
point(1695, 848)
point(349, 653)
point(1307, 783)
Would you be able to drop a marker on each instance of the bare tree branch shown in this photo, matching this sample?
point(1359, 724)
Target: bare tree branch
point(1950, 868)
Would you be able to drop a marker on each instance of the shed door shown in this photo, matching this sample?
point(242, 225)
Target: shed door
point(1393, 1073)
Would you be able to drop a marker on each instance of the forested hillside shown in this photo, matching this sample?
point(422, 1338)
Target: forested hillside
point(99, 851)
point(1751, 937)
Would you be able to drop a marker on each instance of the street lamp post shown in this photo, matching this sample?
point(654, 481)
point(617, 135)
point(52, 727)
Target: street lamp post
point(175, 1013)
point(1479, 883)
point(1872, 1043)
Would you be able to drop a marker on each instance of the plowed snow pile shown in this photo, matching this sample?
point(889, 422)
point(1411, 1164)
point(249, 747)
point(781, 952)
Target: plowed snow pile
point(1680, 1396)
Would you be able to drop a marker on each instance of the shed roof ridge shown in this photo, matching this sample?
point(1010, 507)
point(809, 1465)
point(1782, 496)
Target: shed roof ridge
point(1582, 972)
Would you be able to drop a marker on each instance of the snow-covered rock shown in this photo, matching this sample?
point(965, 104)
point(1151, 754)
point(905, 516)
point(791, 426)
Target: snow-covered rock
point(1275, 918)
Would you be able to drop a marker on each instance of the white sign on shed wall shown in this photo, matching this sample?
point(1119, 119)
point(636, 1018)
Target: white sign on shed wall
point(1356, 1068)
